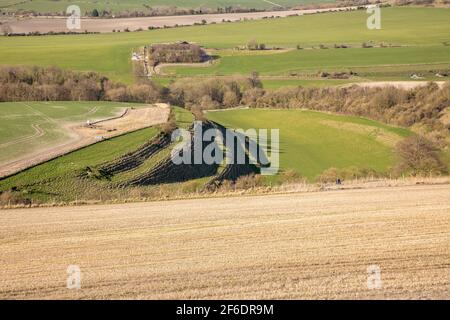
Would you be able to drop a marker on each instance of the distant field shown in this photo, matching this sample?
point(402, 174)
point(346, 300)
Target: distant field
point(46, 6)
point(311, 142)
point(326, 59)
point(29, 126)
point(296, 246)
point(110, 53)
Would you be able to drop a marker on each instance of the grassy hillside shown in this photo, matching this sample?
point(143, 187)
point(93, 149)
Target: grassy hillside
point(422, 30)
point(311, 142)
point(30, 126)
point(46, 6)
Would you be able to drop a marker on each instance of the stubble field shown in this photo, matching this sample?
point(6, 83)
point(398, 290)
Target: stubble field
point(310, 245)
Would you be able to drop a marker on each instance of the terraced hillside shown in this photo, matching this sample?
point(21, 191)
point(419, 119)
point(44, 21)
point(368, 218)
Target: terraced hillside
point(112, 169)
point(77, 174)
point(161, 168)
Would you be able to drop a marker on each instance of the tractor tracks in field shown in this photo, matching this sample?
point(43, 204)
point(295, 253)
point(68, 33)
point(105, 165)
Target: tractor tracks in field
point(41, 114)
point(38, 133)
point(88, 113)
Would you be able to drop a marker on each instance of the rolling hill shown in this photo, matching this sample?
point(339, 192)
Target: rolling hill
point(311, 142)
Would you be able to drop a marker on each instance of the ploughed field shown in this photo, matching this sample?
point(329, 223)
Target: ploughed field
point(410, 41)
point(310, 245)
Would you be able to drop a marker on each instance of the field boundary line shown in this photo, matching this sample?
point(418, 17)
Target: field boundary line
point(91, 111)
point(43, 115)
point(123, 114)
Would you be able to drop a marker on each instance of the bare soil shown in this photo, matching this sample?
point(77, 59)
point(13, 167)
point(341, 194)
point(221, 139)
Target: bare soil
point(398, 84)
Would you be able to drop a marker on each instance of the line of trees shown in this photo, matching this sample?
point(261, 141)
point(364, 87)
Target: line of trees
point(31, 83)
point(213, 93)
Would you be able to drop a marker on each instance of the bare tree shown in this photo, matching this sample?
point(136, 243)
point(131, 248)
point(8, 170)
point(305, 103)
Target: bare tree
point(419, 156)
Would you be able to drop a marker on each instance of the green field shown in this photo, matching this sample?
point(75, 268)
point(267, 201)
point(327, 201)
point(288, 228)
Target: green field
point(29, 126)
point(421, 32)
point(46, 6)
point(326, 59)
point(311, 142)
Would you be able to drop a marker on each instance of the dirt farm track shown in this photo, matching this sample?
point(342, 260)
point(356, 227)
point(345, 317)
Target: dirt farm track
point(305, 245)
